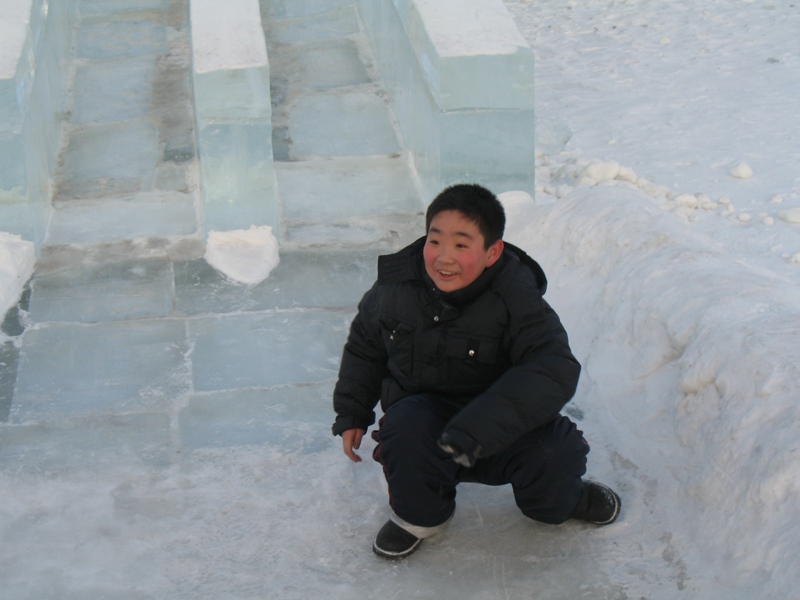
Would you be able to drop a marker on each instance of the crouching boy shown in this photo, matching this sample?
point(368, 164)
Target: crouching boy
point(472, 368)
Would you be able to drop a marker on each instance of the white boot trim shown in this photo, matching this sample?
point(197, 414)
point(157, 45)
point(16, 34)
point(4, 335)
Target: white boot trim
point(416, 530)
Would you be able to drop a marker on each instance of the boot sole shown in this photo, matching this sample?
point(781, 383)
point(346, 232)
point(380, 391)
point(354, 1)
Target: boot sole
point(395, 555)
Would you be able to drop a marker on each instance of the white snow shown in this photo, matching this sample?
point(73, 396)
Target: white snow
point(14, 18)
point(485, 29)
point(227, 35)
point(17, 258)
point(742, 171)
point(244, 255)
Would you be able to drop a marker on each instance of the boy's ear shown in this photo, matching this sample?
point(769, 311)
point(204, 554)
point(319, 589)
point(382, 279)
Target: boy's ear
point(495, 252)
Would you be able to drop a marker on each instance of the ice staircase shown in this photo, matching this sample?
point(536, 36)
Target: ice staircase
point(126, 330)
point(124, 321)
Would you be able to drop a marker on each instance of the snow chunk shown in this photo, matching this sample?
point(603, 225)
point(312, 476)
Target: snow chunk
point(742, 171)
point(17, 258)
point(227, 35)
point(790, 215)
point(244, 255)
point(602, 171)
point(14, 20)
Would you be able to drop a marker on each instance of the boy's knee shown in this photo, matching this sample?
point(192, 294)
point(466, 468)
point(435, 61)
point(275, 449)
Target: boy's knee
point(413, 418)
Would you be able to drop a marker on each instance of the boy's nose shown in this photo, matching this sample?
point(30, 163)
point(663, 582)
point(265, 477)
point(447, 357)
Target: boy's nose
point(445, 256)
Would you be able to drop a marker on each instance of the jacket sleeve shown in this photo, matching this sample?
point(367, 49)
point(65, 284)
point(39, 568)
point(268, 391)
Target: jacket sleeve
point(362, 370)
point(542, 379)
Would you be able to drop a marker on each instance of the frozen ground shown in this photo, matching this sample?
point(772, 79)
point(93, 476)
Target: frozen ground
point(167, 429)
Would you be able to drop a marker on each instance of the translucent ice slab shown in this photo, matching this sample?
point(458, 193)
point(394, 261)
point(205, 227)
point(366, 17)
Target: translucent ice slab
point(110, 159)
point(129, 289)
point(89, 443)
point(262, 350)
point(143, 215)
point(108, 91)
point(346, 187)
point(292, 418)
point(68, 369)
point(89, 7)
point(335, 23)
point(302, 279)
point(282, 9)
point(355, 124)
point(102, 39)
point(460, 75)
point(332, 64)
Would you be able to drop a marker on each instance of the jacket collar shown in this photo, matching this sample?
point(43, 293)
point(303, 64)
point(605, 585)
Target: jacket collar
point(408, 265)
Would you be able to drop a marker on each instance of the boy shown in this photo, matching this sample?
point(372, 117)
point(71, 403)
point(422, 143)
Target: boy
point(472, 368)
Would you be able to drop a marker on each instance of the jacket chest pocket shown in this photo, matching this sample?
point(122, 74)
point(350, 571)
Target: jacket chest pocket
point(473, 360)
point(398, 339)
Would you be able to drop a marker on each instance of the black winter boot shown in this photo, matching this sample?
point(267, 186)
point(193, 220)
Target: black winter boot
point(394, 542)
point(598, 504)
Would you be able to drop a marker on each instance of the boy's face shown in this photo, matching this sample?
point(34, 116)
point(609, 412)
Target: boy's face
point(455, 254)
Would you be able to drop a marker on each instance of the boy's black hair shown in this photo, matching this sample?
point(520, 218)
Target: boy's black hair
point(477, 204)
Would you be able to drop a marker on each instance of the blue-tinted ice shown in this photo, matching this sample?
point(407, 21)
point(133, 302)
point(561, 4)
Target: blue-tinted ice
point(165, 431)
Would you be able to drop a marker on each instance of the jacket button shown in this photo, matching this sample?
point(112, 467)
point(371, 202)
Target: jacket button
point(472, 352)
point(436, 319)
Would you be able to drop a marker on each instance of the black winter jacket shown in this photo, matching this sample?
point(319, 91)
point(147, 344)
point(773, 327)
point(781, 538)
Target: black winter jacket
point(495, 349)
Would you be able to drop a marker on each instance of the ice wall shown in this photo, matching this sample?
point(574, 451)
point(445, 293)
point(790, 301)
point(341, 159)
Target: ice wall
point(36, 37)
point(461, 79)
point(234, 116)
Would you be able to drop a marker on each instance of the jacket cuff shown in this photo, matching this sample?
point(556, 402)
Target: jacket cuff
point(346, 422)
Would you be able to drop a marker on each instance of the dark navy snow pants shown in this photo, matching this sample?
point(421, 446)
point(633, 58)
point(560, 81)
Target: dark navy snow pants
point(544, 466)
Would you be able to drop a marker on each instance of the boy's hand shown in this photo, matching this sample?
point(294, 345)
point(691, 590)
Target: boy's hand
point(351, 440)
point(464, 450)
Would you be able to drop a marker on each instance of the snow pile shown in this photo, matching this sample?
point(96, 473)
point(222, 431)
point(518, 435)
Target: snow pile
point(17, 258)
point(227, 35)
point(680, 341)
point(14, 18)
point(245, 255)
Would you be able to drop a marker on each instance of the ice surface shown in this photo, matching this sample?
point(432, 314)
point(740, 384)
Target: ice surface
point(346, 187)
point(313, 26)
point(302, 279)
point(332, 64)
point(266, 349)
point(341, 124)
point(90, 7)
point(131, 289)
point(12, 157)
point(104, 39)
point(285, 418)
point(112, 159)
point(144, 215)
point(287, 9)
point(94, 442)
point(9, 364)
point(111, 91)
point(233, 94)
point(452, 69)
point(238, 179)
point(74, 369)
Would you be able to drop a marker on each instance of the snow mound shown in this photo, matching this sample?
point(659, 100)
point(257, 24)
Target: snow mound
point(244, 255)
point(694, 351)
point(17, 258)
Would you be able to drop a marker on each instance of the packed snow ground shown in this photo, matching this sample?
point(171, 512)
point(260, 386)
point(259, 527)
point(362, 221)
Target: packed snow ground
point(676, 273)
point(670, 134)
